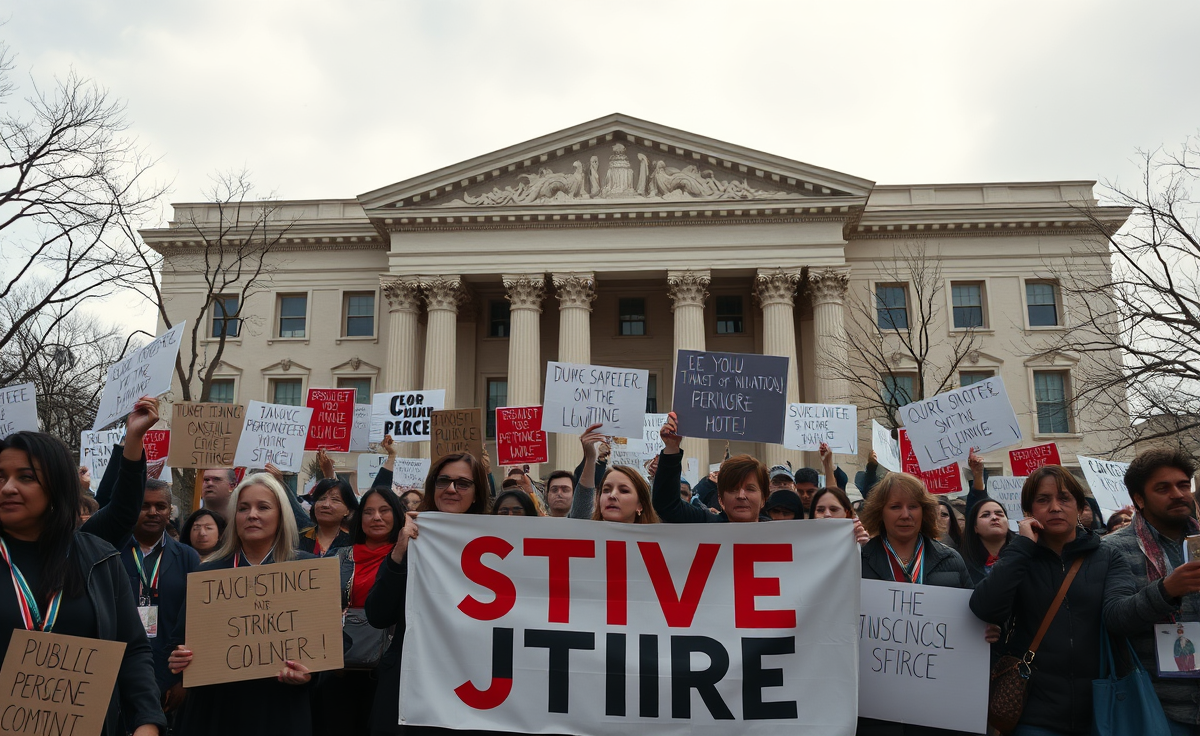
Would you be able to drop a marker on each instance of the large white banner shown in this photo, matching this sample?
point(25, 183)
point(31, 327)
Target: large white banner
point(578, 396)
point(922, 657)
point(808, 425)
point(148, 372)
point(1106, 479)
point(944, 428)
point(582, 627)
point(886, 447)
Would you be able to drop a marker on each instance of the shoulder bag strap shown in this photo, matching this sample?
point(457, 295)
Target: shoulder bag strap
point(1058, 599)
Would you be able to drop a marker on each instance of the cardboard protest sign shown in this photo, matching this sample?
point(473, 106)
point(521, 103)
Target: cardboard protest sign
point(944, 428)
point(578, 396)
point(920, 644)
point(519, 436)
point(731, 396)
point(456, 430)
point(404, 414)
point(18, 409)
point(887, 449)
point(244, 623)
point(407, 472)
point(332, 419)
point(612, 629)
point(1007, 490)
point(95, 450)
point(360, 434)
point(273, 433)
point(148, 372)
point(157, 443)
point(1106, 479)
point(205, 435)
point(1025, 460)
point(808, 425)
point(942, 480)
point(57, 684)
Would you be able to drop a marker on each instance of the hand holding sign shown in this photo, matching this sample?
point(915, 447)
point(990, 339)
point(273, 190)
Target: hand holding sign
point(670, 435)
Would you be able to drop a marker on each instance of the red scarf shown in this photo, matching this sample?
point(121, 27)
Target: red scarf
point(366, 565)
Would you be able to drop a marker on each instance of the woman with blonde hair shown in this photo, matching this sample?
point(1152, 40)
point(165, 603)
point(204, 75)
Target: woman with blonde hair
point(262, 531)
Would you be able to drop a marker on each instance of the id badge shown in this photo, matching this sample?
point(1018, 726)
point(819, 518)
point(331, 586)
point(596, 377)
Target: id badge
point(149, 616)
point(1175, 648)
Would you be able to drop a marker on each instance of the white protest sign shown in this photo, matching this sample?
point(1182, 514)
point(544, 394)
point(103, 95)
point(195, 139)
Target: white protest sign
point(273, 433)
point(368, 467)
point(148, 372)
point(578, 396)
point(944, 428)
point(18, 409)
point(808, 425)
point(886, 447)
point(1106, 479)
point(1007, 490)
point(95, 450)
point(691, 471)
point(410, 472)
point(920, 644)
point(405, 415)
point(517, 626)
point(360, 432)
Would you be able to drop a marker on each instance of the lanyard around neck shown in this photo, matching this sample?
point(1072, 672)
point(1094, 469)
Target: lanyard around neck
point(26, 600)
point(150, 583)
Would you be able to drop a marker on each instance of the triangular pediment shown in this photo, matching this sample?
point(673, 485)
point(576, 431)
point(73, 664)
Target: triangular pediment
point(616, 161)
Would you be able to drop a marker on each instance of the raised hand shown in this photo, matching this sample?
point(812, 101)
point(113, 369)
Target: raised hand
point(591, 438)
point(670, 435)
point(325, 463)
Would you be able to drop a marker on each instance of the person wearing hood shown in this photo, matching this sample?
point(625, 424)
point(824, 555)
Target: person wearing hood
point(783, 505)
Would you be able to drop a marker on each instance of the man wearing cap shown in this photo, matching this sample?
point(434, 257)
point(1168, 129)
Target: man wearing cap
point(781, 479)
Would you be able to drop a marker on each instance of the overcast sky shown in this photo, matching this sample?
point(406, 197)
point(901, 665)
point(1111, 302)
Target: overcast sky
point(333, 99)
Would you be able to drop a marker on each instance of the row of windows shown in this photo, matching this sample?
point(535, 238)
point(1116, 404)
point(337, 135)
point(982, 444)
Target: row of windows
point(1050, 393)
point(288, 391)
point(358, 315)
point(631, 316)
point(967, 305)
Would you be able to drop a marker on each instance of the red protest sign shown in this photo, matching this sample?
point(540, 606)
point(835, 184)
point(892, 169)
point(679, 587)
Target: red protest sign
point(519, 436)
point(332, 419)
point(942, 480)
point(1025, 460)
point(156, 443)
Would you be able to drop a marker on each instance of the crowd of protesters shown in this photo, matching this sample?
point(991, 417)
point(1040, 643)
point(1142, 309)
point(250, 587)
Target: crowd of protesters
point(115, 567)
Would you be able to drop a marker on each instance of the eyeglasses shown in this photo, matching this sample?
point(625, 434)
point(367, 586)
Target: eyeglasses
point(444, 481)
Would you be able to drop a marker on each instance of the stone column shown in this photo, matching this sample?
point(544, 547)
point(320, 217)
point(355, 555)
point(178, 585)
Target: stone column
point(576, 292)
point(689, 290)
point(827, 289)
point(525, 294)
point(443, 296)
point(404, 307)
point(775, 289)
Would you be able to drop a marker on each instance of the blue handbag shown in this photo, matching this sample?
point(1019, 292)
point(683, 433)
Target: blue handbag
point(1125, 705)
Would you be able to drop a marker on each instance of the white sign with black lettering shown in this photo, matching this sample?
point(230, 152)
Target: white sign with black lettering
point(578, 396)
point(1007, 490)
point(95, 451)
point(808, 425)
point(273, 433)
point(148, 372)
point(18, 409)
point(944, 428)
point(886, 447)
point(1106, 479)
point(405, 415)
point(360, 432)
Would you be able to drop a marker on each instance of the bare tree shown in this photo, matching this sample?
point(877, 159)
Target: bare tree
point(70, 183)
point(1136, 327)
point(889, 345)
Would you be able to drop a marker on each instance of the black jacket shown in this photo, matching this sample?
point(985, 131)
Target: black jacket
point(1021, 587)
point(136, 695)
point(943, 567)
point(120, 497)
point(385, 607)
point(665, 495)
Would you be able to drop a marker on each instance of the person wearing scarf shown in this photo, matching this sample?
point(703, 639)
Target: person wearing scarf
point(1159, 484)
point(901, 517)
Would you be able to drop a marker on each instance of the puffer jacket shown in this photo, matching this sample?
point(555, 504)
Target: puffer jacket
point(944, 567)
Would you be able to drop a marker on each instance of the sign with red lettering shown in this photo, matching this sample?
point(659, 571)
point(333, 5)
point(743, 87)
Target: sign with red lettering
point(1025, 460)
point(942, 480)
point(332, 419)
point(609, 629)
point(519, 436)
point(157, 444)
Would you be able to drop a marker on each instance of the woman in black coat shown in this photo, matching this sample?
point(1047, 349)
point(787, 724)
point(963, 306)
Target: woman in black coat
point(986, 536)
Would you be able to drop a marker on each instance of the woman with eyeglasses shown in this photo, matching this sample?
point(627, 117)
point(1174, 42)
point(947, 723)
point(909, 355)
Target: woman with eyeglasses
point(456, 484)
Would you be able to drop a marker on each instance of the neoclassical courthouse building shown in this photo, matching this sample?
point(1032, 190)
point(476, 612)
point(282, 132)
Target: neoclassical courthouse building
point(617, 242)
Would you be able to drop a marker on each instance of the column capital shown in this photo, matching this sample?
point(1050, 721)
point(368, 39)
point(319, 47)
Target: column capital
point(576, 290)
point(776, 286)
point(828, 286)
point(688, 288)
point(402, 294)
point(525, 290)
point(445, 293)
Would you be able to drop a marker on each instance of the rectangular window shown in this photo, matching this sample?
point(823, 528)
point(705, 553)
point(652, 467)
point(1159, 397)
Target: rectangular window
point(652, 394)
point(1050, 394)
point(729, 315)
point(497, 396)
point(222, 322)
point(293, 311)
point(360, 314)
point(966, 378)
point(898, 389)
point(361, 386)
point(499, 318)
point(968, 305)
point(891, 307)
point(220, 391)
point(287, 391)
point(632, 312)
point(1042, 301)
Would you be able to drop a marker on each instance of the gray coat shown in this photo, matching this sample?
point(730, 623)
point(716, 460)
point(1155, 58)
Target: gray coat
point(944, 567)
